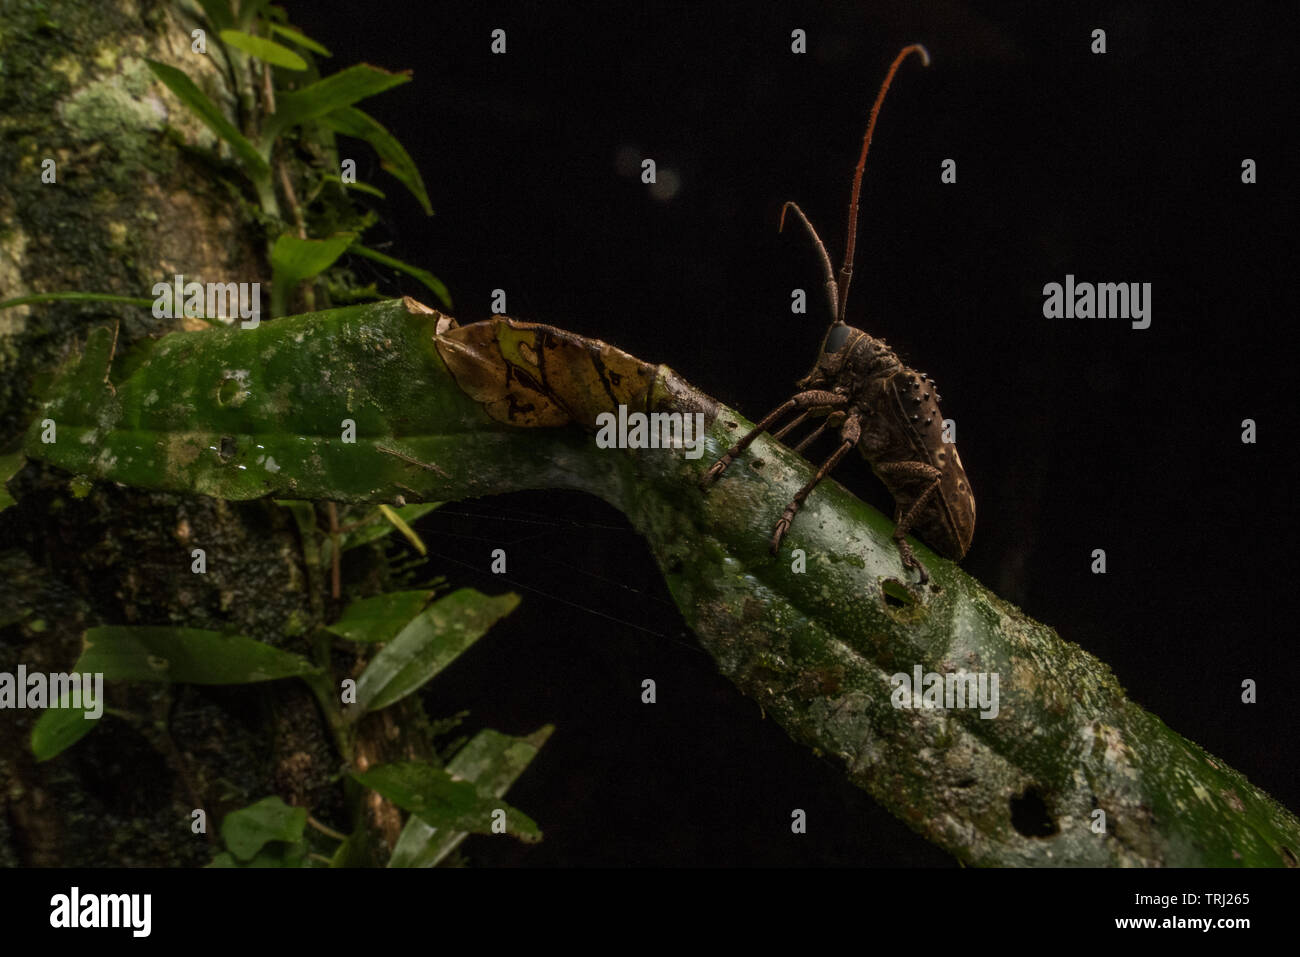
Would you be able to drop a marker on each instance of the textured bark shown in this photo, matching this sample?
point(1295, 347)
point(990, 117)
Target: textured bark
point(143, 192)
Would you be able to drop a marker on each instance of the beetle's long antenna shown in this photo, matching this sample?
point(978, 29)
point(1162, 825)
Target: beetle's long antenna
point(831, 289)
point(846, 271)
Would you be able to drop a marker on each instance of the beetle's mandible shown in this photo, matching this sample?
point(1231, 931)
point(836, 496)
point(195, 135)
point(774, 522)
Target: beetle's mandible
point(890, 412)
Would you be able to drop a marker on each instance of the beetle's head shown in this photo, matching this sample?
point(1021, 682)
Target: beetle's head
point(835, 347)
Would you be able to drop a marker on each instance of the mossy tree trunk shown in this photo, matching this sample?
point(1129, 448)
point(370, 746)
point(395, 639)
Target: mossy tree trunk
point(142, 192)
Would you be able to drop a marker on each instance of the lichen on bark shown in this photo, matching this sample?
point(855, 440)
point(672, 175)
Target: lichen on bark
point(143, 191)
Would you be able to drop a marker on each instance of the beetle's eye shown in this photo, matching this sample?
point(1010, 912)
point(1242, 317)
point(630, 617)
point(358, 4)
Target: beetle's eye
point(836, 337)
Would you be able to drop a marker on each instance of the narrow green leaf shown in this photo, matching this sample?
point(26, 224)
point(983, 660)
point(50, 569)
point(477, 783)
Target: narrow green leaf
point(58, 729)
point(189, 94)
point(332, 93)
point(361, 187)
point(75, 297)
point(263, 49)
point(432, 795)
point(379, 619)
point(381, 528)
point(407, 532)
point(432, 641)
point(393, 157)
point(189, 655)
point(426, 277)
point(245, 831)
point(306, 42)
point(492, 761)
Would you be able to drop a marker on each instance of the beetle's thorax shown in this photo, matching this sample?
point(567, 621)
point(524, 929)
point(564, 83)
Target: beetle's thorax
point(850, 360)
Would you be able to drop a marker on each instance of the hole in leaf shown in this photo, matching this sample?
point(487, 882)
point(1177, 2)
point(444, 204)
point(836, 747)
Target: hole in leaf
point(896, 594)
point(228, 392)
point(228, 448)
point(1029, 815)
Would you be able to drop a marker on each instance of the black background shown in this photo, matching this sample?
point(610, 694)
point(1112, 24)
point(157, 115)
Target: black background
point(1076, 434)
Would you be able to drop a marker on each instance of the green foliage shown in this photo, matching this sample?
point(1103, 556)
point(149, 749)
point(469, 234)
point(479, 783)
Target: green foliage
point(58, 729)
point(435, 798)
point(161, 654)
point(295, 37)
point(188, 655)
point(314, 112)
point(249, 829)
point(392, 155)
point(415, 641)
point(429, 279)
point(410, 643)
point(278, 854)
point(263, 49)
point(431, 641)
point(492, 761)
point(321, 107)
point(293, 260)
point(253, 159)
point(379, 619)
point(816, 651)
point(336, 92)
point(380, 527)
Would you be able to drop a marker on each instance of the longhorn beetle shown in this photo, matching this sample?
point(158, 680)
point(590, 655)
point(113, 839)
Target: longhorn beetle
point(890, 412)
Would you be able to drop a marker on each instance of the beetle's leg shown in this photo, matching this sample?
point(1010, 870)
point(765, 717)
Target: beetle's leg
point(832, 421)
point(793, 422)
point(903, 523)
point(850, 434)
point(804, 400)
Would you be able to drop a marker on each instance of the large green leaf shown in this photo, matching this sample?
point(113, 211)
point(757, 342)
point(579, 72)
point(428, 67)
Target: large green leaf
point(264, 49)
point(433, 796)
point(58, 729)
point(393, 157)
point(334, 92)
point(816, 650)
point(188, 655)
point(492, 761)
point(294, 259)
point(380, 618)
point(247, 830)
point(189, 94)
point(429, 643)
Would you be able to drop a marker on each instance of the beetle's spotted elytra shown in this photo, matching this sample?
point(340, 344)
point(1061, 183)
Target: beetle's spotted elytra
point(890, 412)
